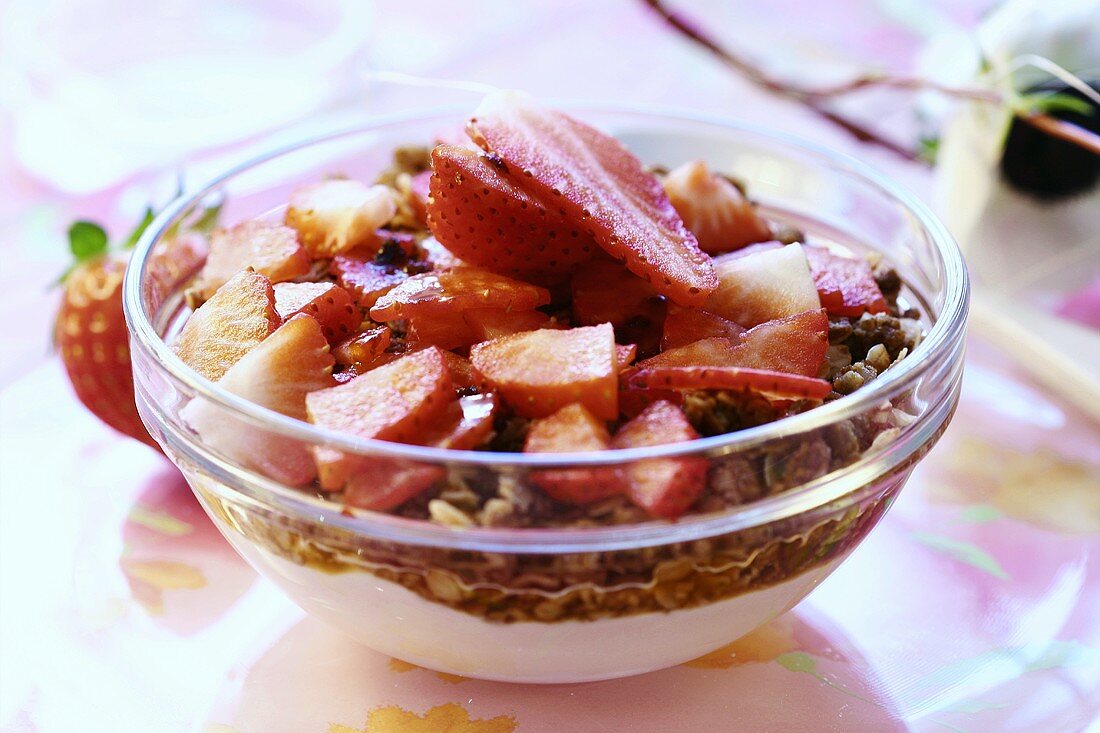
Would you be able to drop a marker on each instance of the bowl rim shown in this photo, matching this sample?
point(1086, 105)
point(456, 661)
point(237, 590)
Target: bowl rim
point(941, 342)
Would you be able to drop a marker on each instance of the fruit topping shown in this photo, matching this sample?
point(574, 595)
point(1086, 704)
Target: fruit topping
point(606, 292)
point(763, 286)
point(573, 429)
point(775, 385)
point(715, 211)
point(362, 349)
point(687, 325)
point(337, 215)
point(330, 304)
point(457, 290)
point(366, 279)
point(269, 249)
point(845, 285)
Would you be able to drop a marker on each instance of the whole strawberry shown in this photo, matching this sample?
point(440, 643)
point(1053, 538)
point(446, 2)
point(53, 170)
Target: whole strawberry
point(90, 331)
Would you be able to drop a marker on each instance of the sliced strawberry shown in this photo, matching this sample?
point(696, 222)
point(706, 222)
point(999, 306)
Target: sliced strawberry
point(381, 484)
point(437, 256)
point(764, 286)
point(337, 215)
point(778, 385)
point(462, 371)
point(269, 249)
point(365, 279)
point(601, 187)
point(172, 262)
point(398, 401)
point(573, 429)
point(363, 348)
point(664, 487)
point(634, 400)
point(445, 329)
point(539, 372)
point(746, 251)
point(795, 344)
point(624, 355)
point(687, 325)
point(715, 211)
point(276, 374)
point(330, 304)
point(606, 292)
point(714, 351)
point(481, 216)
point(845, 284)
point(238, 316)
point(490, 323)
point(457, 290)
point(466, 424)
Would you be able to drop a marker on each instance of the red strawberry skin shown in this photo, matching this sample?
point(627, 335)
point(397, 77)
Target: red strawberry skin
point(329, 304)
point(844, 284)
point(485, 219)
point(599, 185)
point(573, 429)
point(94, 344)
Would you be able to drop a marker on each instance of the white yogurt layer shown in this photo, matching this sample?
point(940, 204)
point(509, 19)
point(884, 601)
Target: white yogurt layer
point(393, 620)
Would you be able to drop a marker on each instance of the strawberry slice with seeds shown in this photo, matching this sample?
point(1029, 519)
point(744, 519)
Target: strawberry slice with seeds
point(381, 484)
point(338, 215)
point(795, 344)
point(606, 292)
point(467, 423)
point(238, 316)
point(484, 218)
point(774, 385)
point(595, 182)
point(362, 349)
point(539, 372)
point(687, 325)
point(366, 280)
point(329, 304)
point(573, 429)
point(845, 284)
point(269, 249)
point(715, 211)
point(664, 487)
point(457, 290)
point(276, 374)
point(398, 401)
point(714, 351)
point(770, 284)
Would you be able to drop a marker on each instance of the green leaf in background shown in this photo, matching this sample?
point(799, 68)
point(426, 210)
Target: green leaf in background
point(929, 149)
point(135, 235)
point(159, 521)
point(1052, 104)
point(964, 552)
point(87, 240)
point(209, 218)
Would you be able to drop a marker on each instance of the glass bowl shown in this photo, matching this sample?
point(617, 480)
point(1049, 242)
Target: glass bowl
point(568, 604)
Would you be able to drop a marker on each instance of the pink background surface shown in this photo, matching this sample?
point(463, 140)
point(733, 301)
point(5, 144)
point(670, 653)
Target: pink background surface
point(974, 607)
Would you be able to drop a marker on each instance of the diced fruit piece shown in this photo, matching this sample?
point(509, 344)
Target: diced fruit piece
point(365, 279)
point(795, 344)
point(329, 304)
point(269, 249)
point(457, 290)
point(624, 355)
point(481, 216)
point(664, 487)
point(777, 385)
point(363, 348)
point(686, 325)
point(438, 256)
point(634, 400)
point(606, 292)
point(381, 484)
point(573, 429)
point(762, 287)
point(445, 329)
point(715, 211)
point(487, 324)
point(337, 215)
point(844, 284)
point(714, 351)
point(419, 192)
point(173, 261)
point(601, 187)
point(238, 316)
point(539, 372)
point(276, 374)
point(462, 371)
point(746, 251)
point(466, 424)
point(398, 401)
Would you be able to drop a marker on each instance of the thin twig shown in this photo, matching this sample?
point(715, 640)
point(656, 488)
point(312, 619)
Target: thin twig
point(1065, 131)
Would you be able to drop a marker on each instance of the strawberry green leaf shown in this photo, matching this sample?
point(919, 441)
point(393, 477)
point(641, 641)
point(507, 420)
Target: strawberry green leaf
point(1053, 104)
point(87, 240)
point(135, 235)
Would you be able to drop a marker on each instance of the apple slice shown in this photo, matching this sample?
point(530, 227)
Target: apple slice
point(687, 325)
point(664, 487)
point(573, 429)
point(764, 286)
point(238, 316)
point(773, 385)
point(328, 303)
point(269, 249)
point(457, 290)
point(276, 374)
point(539, 372)
point(715, 211)
point(337, 215)
point(845, 285)
point(599, 185)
